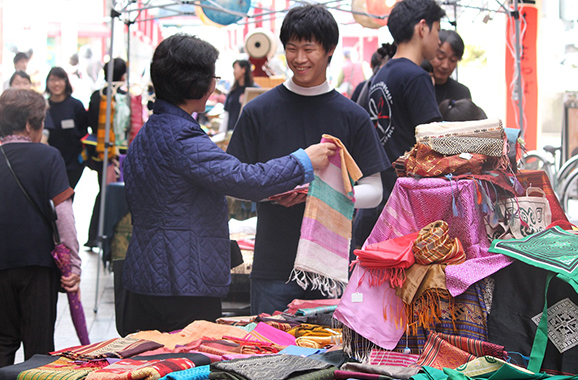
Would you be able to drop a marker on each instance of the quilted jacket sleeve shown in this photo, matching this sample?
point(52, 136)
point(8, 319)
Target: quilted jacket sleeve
point(206, 165)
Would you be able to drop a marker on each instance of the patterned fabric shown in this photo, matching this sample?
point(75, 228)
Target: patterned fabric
point(129, 369)
point(314, 336)
point(101, 130)
point(466, 316)
point(422, 161)
point(195, 373)
point(562, 320)
point(409, 209)
point(487, 128)
point(297, 304)
point(434, 245)
point(339, 374)
point(379, 356)
point(484, 366)
point(277, 367)
point(421, 293)
point(112, 348)
point(265, 333)
point(553, 249)
point(323, 252)
point(538, 178)
point(451, 145)
point(60, 369)
point(451, 351)
point(391, 371)
point(387, 260)
point(316, 310)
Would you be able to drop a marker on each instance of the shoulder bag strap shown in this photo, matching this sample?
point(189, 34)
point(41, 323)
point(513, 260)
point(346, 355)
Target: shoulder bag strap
point(50, 222)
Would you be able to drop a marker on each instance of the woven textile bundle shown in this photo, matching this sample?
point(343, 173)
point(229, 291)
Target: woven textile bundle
point(323, 252)
point(434, 245)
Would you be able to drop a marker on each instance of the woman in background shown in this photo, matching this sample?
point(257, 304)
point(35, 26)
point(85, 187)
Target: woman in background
point(29, 279)
point(66, 122)
point(20, 80)
point(243, 78)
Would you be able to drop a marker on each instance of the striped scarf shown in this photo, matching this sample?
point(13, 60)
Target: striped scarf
point(323, 252)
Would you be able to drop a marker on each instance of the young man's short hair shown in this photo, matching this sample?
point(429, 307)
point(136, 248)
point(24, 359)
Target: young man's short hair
point(454, 40)
point(407, 13)
point(310, 23)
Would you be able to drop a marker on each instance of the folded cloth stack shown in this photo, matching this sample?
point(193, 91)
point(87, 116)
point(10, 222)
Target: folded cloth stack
point(455, 148)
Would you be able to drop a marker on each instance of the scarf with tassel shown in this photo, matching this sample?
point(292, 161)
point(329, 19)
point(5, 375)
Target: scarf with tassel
point(323, 252)
point(387, 260)
point(425, 286)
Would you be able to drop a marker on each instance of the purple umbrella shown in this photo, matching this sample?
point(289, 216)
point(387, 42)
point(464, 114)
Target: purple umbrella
point(61, 255)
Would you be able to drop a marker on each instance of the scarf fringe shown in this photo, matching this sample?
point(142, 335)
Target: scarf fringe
point(395, 276)
point(327, 286)
point(428, 310)
point(356, 346)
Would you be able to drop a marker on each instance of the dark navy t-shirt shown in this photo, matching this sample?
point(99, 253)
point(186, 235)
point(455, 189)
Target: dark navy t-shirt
point(400, 98)
point(25, 237)
point(279, 122)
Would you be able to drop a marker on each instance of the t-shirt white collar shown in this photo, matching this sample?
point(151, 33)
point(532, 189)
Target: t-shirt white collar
point(323, 88)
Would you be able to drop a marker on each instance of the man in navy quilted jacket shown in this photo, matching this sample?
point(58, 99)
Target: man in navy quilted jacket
point(178, 261)
point(292, 115)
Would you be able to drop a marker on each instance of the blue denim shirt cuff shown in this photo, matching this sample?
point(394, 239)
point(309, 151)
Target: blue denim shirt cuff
point(305, 162)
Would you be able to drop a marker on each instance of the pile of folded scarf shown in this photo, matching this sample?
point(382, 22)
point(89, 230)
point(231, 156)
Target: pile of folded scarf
point(465, 147)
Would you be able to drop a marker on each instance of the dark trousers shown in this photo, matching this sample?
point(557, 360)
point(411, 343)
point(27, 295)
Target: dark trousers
point(94, 219)
point(28, 297)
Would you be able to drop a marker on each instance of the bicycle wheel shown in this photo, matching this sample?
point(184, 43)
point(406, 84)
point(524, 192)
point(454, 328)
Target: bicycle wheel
point(565, 171)
point(569, 195)
point(536, 161)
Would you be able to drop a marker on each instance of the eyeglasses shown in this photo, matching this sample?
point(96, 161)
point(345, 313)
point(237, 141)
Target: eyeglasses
point(217, 78)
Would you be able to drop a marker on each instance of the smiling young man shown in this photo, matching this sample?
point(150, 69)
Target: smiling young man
point(292, 115)
point(402, 95)
point(444, 63)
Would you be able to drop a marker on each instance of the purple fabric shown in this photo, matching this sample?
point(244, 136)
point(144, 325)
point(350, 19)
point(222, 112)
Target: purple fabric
point(62, 257)
point(413, 204)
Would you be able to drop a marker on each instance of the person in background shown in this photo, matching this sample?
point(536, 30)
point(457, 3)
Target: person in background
point(294, 115)
point(450, 52)
point(402, 95)
point(243, 78)
point(66, 122)
point(20, 80)
point(461, 110)
point(20, 64)
point(378, 59)
point(94, 161)
point(29, 278)
point(177, 265)
point(350, 75)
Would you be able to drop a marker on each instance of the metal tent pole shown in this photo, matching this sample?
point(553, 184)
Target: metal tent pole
point(519, 90)
point(107, 145)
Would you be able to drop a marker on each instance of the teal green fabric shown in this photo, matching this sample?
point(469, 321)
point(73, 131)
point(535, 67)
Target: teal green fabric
point(553, 249)
point(506, 372)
